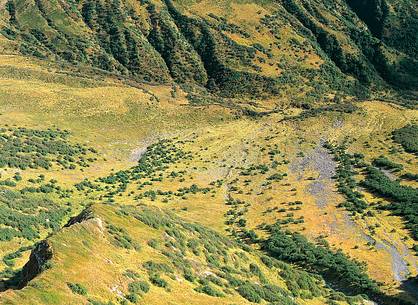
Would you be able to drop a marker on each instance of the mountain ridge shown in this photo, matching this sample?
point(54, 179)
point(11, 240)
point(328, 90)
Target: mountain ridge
point(166, 41)
point(208, 152)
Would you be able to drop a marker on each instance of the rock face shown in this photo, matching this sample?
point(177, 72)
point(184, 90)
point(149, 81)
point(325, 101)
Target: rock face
point(43, 252)
point(38, 262)
point(86, 214)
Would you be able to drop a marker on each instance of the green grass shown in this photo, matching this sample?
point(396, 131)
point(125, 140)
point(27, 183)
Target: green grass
point(180, 193)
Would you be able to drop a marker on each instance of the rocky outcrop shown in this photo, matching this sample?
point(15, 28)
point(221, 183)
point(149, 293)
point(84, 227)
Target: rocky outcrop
point(86, 214)
point(38, 261)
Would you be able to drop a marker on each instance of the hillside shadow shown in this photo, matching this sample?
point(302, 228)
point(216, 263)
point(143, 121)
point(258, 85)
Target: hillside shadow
point(410, 288)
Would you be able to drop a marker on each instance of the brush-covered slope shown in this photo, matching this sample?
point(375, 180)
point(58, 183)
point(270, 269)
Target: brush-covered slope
point(231, 48)
point(146, 256)
point(176, 189)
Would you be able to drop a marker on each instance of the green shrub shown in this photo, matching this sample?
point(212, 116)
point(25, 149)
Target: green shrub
point(250, 292)
point(77, 288)
point(138, 287)
point(404, 198)
point(346, 274)
point(29, 148)
point(385, 163)
point(407, 136)
point(132, 297)
point(209, 290)
point(158, 281)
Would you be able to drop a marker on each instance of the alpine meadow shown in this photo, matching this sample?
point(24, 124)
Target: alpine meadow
point(208, 152)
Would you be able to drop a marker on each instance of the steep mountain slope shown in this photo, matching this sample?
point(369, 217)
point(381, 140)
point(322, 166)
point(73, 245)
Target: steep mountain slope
point(146, 254)
point(231, 48)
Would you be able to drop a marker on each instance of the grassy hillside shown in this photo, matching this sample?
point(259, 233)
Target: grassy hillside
point(202, 152)
point(249, 174)
point(228, 48)
point(148, 255)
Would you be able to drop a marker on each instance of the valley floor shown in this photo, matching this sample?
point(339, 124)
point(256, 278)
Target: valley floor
point(207, 165)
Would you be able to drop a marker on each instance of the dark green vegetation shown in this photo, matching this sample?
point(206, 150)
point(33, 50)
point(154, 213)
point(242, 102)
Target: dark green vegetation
point(410, 176)
point(335, 267)
point(77, 288)
point(385, 163)
point(339, 107)
point(380, 19)
point(345, 177)
point(404, 199)
point(226, 265)
point(26, 215)
point(229, 267)
point(371, 61)
point(151, 167)
point(32, 210)
point(121, 238)
point(27, 148)
point(408, 137)
point(165, 41)
point(8, 259)
point(230, 271)
point(261, 59)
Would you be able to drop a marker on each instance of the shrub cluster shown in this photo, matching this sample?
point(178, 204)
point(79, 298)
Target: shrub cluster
point(404, 199)
point(26, 216)
point(345, 177)
point(407, 136)
point(335, 267)
point(28, 148)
